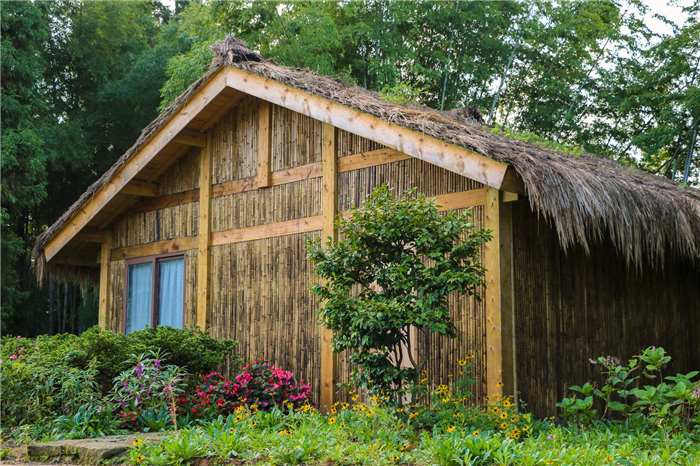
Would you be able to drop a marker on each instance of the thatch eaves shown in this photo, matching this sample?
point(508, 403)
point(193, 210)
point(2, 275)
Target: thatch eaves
point(585, 197)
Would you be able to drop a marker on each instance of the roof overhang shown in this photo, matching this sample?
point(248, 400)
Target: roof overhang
point(206, 106)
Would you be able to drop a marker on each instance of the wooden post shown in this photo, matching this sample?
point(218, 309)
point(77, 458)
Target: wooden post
point(265, 145)
point(105, 284)
point(204, 237)
point(500, 338)
point(329, 360)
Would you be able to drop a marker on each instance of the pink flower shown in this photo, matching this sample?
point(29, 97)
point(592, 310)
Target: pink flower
point(549, 436)
point(14, 356)
point(19, 336)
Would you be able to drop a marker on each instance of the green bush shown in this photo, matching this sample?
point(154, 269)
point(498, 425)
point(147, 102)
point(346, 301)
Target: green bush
point(47, 377)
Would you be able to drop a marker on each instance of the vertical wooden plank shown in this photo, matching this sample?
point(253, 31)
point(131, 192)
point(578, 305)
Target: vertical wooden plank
point(500, 352)
point(264, 144)
point(329, 360)
point(204, 237)
point(105, 285)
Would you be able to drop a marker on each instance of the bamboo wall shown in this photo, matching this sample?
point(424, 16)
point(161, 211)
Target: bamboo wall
point(259, 289)
point(570, 307)
point(132, 229)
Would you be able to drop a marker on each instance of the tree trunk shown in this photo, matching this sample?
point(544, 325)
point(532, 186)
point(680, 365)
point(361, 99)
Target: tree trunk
point(51, 307)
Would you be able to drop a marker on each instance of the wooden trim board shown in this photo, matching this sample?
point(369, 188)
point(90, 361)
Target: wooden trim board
point(126, 173)
point(204, 236)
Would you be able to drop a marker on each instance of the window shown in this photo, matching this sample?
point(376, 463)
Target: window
point(155, 292)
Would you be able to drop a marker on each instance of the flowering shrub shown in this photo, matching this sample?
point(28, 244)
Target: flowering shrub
point(259, 385)
point(149, 386)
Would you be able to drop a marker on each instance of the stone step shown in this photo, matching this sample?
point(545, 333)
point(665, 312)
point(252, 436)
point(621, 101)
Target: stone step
point(90, 450)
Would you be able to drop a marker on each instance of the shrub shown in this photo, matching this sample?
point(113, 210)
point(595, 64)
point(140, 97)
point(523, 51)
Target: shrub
point(145, 392)
point(392, 272)
point(52, 376)
point(259, 385)
point(36, 388)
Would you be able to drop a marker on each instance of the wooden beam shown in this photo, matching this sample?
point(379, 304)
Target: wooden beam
point(460, 200)
point(264, 144)
point(329, 360)
point(78, 261)
point(122, 177)
point(152, 249)
point(169, 200)
point(370, 159)
point(92, 235)
point(214, 119)
point(453, 158)
point(500, 339)
point(268, 230)
point(105, 285)
point(204, 237)
point(140, 188)
point(190, 137)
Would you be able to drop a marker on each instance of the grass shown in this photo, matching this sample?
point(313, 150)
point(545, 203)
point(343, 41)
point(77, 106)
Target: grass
point(374, 435)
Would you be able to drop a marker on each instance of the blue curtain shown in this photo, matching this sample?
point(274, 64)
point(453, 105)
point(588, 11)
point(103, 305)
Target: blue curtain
point(171, 292)
point(139, 298)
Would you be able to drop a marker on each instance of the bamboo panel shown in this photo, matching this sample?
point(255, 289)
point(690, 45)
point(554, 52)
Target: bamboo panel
point(235, 143)
point(261, 298)
point(183, 176)
point(570, 307)
point(349, 144)
point(280, 203)
point(191, 288)
point(354, 186)
point(469, 318)
point(296, 139)
point(116, 314)
point(157, 225)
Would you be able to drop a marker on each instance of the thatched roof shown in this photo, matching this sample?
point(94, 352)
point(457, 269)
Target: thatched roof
point(585, 197)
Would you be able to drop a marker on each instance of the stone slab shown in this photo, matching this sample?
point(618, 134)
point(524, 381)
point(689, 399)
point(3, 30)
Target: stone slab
point(90, 450)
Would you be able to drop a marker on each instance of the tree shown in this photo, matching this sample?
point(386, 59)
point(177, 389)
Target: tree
point(392, 272)
point(24, 155)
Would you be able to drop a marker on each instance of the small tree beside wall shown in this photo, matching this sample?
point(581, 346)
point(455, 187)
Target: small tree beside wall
point(393, 270)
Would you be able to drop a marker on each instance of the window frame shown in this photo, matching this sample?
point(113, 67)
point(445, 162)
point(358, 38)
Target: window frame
point(154, 260)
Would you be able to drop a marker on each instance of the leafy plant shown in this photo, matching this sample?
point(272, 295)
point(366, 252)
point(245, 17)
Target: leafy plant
point(88, 422)
point(391, 273)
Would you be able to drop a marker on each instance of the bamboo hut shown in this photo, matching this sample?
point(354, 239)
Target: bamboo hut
point(203, 223)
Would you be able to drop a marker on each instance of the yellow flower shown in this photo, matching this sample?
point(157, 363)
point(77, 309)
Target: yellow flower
point(412, 415)
point(423, 381)
point(137, 442)
point(334, 411)
point(504, 425)
point(400, 410)
point(504, 415)
point(445, 400)
point(475, 433)
point(462, 362)
point(526, 428)
point(607, 459)
point(514, 418)
point(406, 447)
point(495, 410)
point(342, 426)
point(499, 384)
point(451, 429)
point(331, 421)
point(355, 398)
point(394, 458)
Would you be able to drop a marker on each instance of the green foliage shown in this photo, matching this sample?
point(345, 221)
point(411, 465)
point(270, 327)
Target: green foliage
point(670, 404)
point(47, 377)
point(403, 257)
point(537, 140)
point(87, 422)
point(376, 434)
point(148, 385)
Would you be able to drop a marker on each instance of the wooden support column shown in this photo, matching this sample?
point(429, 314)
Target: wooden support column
point(105, 283)
point(329, 360)
point(265, 145)
point(498, 260)
point(204, 237)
